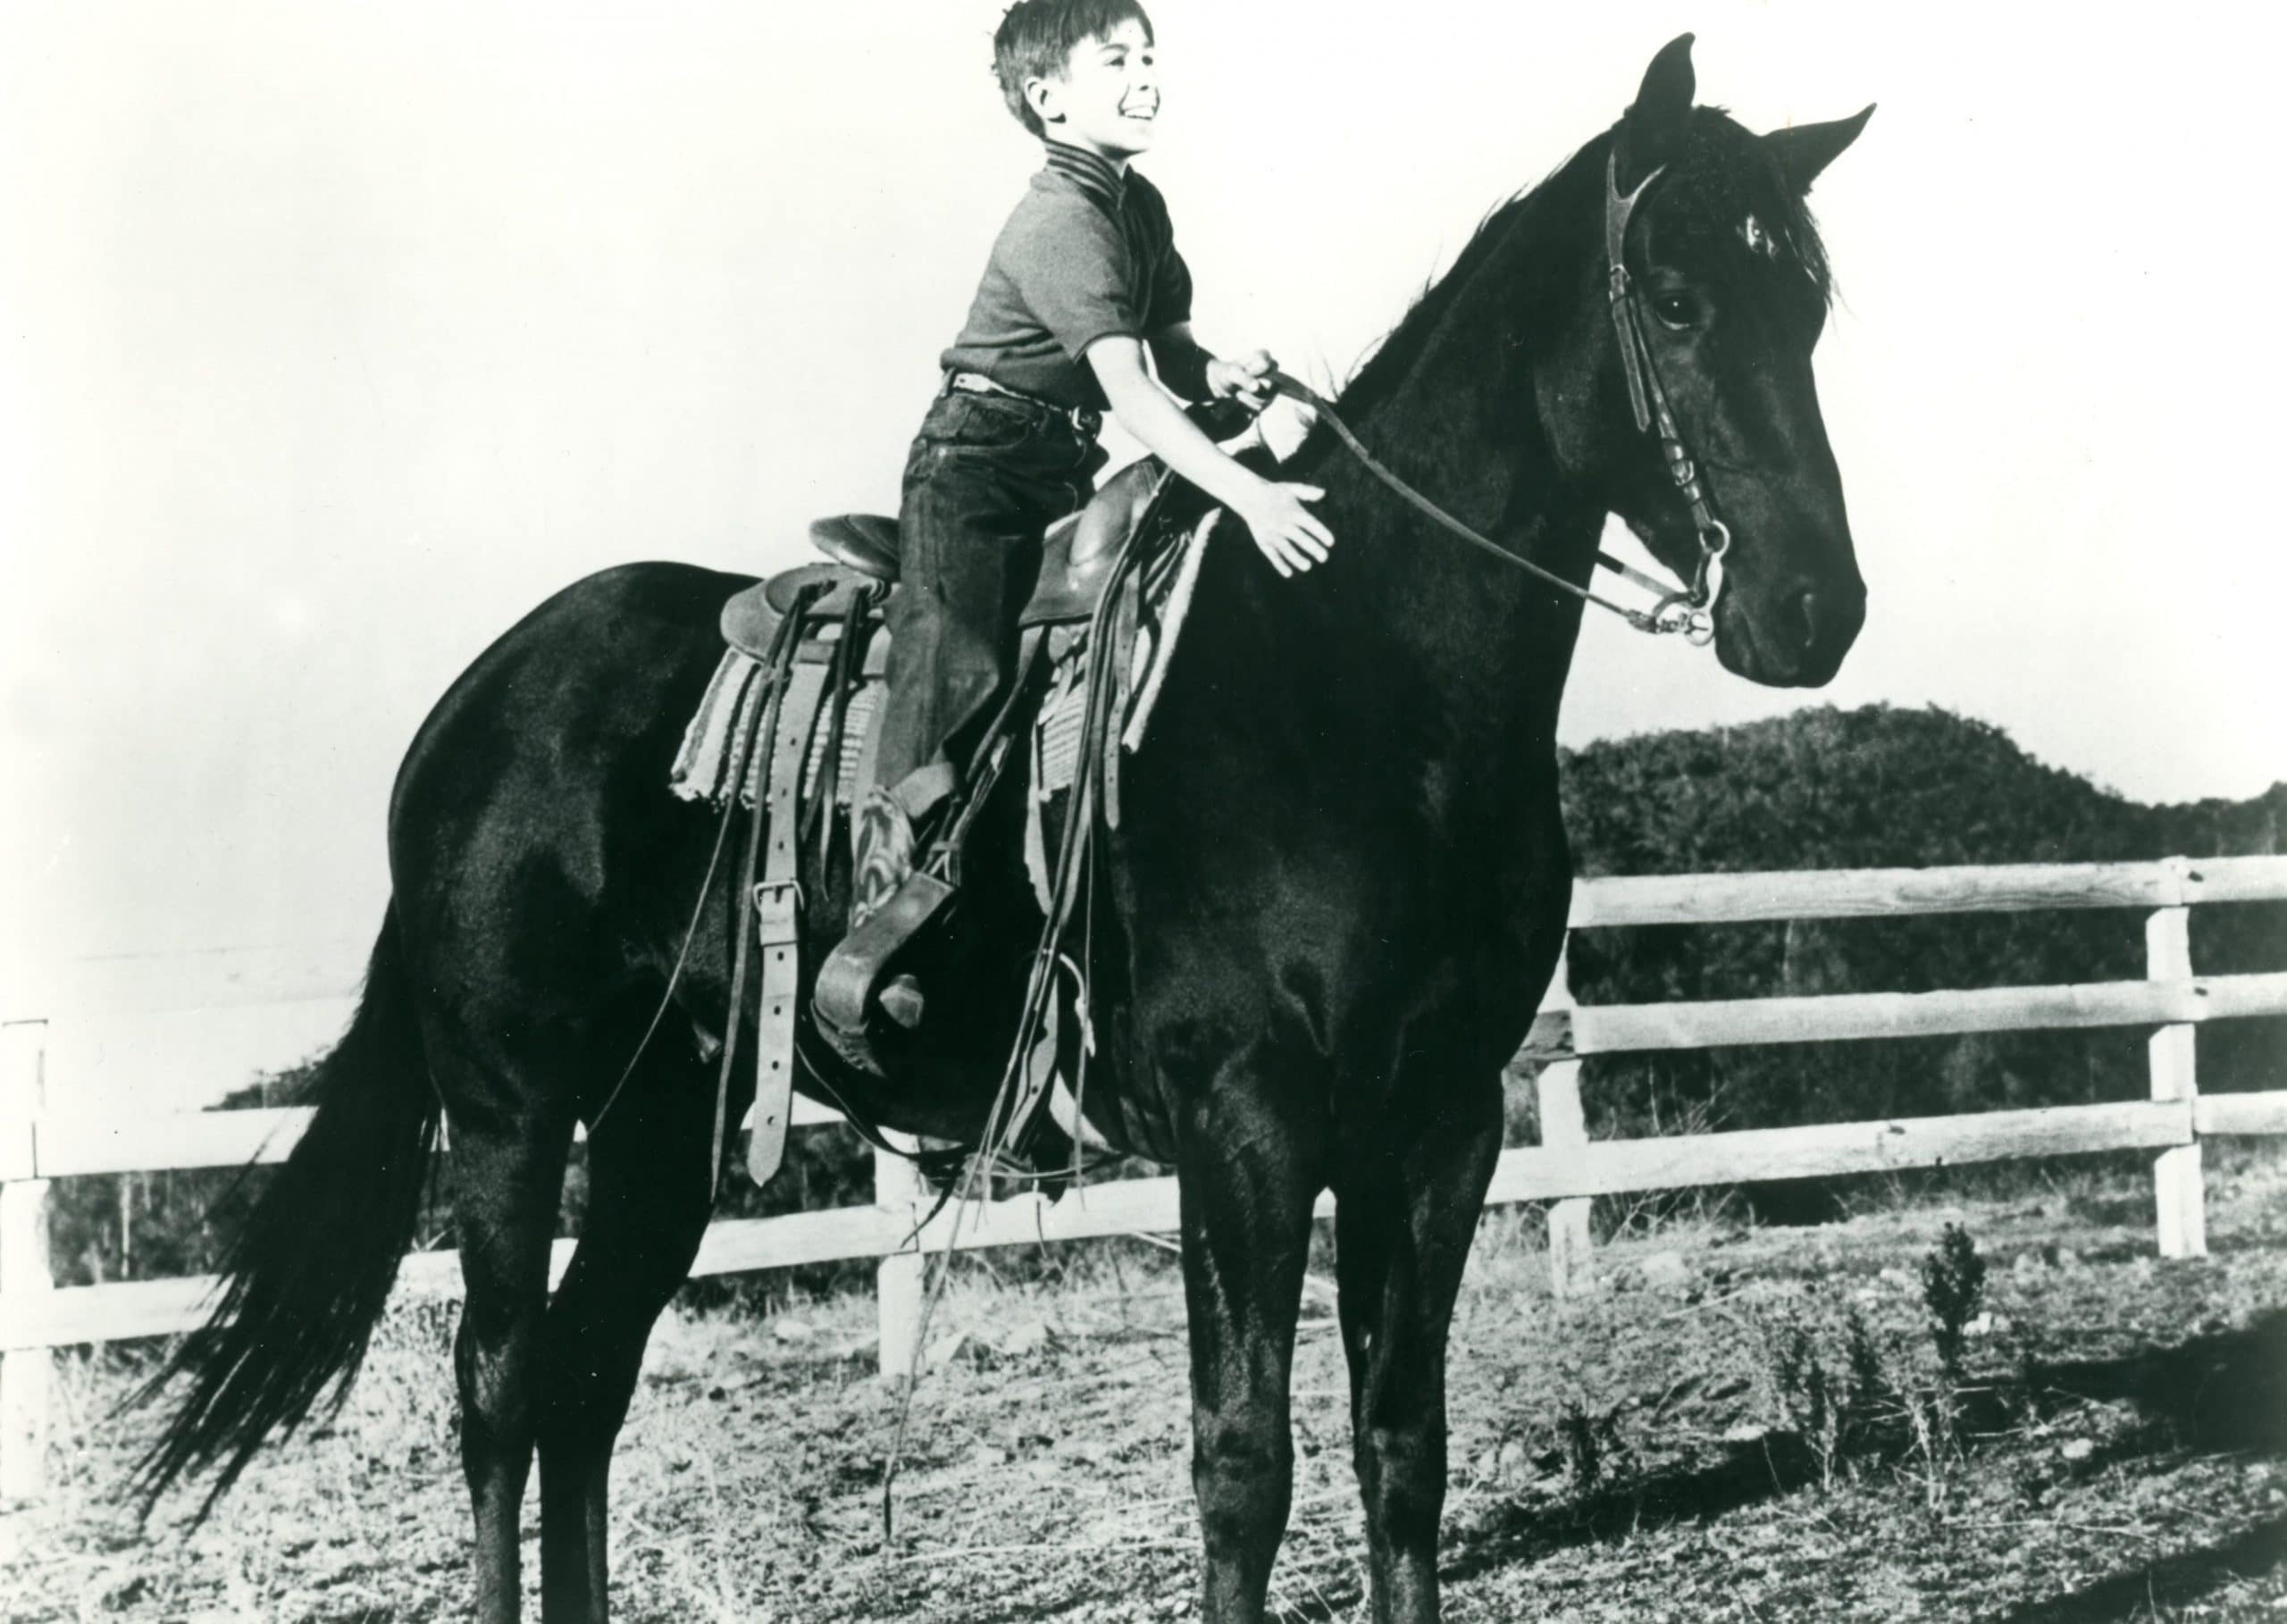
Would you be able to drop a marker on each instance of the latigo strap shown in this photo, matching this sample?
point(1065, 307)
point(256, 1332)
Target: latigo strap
point(778, 671)
point(778, 924)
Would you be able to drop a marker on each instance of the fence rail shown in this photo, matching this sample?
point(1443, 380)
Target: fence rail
point(1566, 1170)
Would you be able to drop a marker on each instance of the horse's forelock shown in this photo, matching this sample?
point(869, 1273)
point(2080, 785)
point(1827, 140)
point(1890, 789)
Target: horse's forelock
point(1725, 175)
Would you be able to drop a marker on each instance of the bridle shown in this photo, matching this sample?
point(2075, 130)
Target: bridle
point(1690, 610)
point(1649, 398)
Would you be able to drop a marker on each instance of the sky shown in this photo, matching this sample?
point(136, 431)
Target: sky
point(337, 336)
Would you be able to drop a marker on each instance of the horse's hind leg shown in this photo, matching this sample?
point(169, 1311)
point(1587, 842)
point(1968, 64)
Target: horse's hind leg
point(647, 1204)
point(1408, 1194)
point(507, 1175)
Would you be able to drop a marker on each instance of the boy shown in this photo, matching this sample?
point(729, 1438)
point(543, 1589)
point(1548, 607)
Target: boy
point(1084, 278)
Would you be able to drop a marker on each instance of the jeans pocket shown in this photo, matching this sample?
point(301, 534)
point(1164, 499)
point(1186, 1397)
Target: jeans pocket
point(978, 423)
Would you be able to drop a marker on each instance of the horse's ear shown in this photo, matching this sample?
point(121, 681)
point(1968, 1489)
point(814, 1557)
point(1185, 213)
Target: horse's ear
point(1803, 150)
point(1655, 125)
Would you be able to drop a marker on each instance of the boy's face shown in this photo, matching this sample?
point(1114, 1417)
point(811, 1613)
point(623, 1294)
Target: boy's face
point(1107, 96)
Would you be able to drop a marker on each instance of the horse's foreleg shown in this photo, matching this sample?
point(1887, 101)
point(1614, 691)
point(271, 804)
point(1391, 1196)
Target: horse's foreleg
point(647, 1212)
point(1248, 1176)
point(1408, 1195)
point(508, 1172)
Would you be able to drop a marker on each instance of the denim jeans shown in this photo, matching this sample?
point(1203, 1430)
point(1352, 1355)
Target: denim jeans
point(987, 475)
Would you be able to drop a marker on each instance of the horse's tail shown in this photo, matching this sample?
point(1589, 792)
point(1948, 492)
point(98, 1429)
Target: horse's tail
point(306, 1277)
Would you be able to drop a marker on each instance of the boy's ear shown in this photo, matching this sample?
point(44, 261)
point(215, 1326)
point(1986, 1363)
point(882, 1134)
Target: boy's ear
point(1040, 95)
point(1651, 131)
point(1803, 150)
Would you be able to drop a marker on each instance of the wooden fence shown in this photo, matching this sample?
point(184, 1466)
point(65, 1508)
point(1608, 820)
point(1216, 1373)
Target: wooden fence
point(1566, 1168)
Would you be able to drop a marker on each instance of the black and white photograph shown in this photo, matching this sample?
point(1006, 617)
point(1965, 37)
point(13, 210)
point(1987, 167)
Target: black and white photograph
point(1135, 810)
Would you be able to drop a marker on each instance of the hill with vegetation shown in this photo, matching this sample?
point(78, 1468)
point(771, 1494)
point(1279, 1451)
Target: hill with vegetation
point(1877, 788)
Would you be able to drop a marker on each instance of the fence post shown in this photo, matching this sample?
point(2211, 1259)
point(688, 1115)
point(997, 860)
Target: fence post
point(2178, 1187)
point(27, 1375)
point(898, 1279)
point(1571, 1261)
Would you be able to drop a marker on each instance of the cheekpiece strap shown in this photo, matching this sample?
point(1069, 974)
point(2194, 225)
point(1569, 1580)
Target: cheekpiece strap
point(1619, 208)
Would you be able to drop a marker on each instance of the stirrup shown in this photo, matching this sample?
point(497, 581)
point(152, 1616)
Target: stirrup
point(854, 972)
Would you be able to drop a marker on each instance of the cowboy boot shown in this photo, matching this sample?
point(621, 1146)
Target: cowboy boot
point(885, 854)
point(885, 847)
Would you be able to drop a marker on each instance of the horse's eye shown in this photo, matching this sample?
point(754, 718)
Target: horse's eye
point(1677, 310)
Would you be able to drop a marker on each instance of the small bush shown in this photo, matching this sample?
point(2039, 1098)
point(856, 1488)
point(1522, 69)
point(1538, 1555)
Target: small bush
point(1953, 1289)
point(1584, 1459)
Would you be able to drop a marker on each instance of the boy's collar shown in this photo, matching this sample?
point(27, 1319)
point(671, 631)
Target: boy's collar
point(1091, 174)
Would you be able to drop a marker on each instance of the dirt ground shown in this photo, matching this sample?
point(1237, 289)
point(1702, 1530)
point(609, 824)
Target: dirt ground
point(1640, 1454)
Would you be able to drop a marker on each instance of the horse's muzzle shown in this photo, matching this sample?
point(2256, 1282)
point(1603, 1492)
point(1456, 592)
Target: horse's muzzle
point(1792, 638)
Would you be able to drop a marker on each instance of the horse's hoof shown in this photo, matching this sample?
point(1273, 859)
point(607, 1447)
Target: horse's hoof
point(902, 1000)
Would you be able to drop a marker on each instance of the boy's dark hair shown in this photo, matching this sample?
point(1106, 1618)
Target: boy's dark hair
point(1036, 40)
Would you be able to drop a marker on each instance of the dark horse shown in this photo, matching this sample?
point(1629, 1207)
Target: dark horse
point(1336, 892)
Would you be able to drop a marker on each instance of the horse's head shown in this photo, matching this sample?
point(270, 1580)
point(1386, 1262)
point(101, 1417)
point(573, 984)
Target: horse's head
point(1727, 285)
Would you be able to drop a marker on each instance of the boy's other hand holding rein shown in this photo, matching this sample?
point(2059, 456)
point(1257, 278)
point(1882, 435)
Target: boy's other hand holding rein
point(1247, 380)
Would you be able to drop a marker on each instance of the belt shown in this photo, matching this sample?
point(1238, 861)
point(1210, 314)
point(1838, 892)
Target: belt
point(1084, 420)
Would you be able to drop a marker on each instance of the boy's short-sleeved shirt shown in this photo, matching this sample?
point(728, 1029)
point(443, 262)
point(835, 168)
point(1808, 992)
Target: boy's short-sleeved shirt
point(1088, 254)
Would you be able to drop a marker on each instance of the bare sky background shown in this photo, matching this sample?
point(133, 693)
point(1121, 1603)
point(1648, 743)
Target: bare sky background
point(338, 336)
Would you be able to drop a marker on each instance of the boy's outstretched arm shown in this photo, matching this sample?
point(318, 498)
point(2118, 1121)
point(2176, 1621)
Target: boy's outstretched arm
point(1284, 530)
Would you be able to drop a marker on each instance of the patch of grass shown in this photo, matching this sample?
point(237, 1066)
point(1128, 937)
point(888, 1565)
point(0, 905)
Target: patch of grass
point(1824, 1377)
point(1853, 1404)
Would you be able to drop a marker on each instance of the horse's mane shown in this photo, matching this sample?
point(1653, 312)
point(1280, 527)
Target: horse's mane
point(1722, 174)
point(1395, 353)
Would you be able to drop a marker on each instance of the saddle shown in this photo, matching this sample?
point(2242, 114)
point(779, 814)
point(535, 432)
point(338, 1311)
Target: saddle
point(786, 729)
point(1077, 554)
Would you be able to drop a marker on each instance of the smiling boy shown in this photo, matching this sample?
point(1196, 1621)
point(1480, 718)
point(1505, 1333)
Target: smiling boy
point(1083, 281)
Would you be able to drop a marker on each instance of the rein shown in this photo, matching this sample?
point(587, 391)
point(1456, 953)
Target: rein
point(1689, 610)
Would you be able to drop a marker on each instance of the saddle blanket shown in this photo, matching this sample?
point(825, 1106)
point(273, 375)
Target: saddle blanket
point(739, 690)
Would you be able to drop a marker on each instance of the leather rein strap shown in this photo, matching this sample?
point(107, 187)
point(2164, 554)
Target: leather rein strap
point(1642, 620)
point(1689, 610)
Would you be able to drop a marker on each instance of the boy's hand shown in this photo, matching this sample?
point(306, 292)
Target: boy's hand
point(1246, 380)
point(1287, 533)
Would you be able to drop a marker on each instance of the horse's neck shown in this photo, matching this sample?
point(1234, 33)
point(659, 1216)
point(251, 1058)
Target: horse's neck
point(1462, 422)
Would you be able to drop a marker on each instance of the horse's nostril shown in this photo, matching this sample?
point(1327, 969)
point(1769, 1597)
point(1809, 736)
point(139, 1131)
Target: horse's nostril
point(1808, 607)
point(1827, 619)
